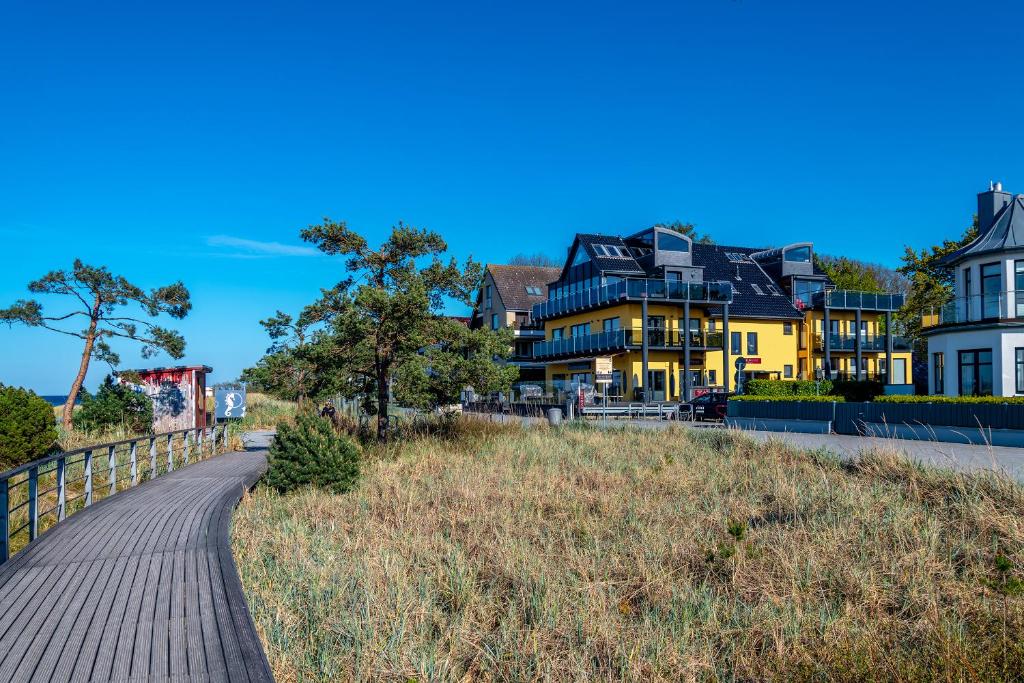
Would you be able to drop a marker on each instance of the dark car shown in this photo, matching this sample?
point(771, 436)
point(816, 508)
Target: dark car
point(710, 406)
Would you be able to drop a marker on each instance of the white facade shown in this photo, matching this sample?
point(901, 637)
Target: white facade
point(1003, 345)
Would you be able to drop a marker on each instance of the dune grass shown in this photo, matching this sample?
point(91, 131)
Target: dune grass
point(508, 554)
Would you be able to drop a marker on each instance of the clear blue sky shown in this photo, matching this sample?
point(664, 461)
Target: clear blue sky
point(190, 141)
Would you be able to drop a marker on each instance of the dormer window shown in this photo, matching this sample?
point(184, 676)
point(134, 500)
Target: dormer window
point(668, 241)
point(798, 255)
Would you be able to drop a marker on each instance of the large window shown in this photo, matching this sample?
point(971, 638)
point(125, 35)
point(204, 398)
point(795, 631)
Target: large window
point(798, 255)
point(581, 330)
point(1019, 365)
point(787, 371)
point(751, 343)
point(487, 297)
point(557, 333)
point(939, 372)
point(610, 324)
point(670, 242)
point(494, 321)
point(976, 372)
point(991, 285)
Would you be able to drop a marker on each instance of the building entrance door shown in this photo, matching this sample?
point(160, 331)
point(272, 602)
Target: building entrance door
point(656, 382)
point(899, 370)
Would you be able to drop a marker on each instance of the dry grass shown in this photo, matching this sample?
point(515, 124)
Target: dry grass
point(640, 555)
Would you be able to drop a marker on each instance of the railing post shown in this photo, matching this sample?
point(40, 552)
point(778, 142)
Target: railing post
point(33, 503)
point(112, 467)
point(152, 457)
point(226, 443)
point(61, 491)
point(185, 447)
point(87, 473)
point(170, 452)
point(5, 539)
point(134, 468)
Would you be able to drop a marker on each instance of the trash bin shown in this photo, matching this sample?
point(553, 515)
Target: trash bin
point(554, 416)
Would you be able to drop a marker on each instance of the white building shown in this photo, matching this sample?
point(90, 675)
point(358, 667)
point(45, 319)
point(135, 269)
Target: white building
point(976, 342)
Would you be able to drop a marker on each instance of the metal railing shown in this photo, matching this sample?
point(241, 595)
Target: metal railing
point(1006, 305)
point(635, 288)
point(851, 300)
point(617, 340)
point(848, 342)
point(70, 481)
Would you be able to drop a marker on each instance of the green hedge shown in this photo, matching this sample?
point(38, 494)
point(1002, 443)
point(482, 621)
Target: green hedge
point(950, 399)
point(806, 399)
point(786, 387)
point(28, 429)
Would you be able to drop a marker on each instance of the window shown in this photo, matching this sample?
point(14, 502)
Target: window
point(939, 372)
point(533, 290)
point(752, 343)
point(991, 286)
point(581, 256)
point(1019, 364)
point(735, 340)
point(787, 371)
point(557, 333)
point(787, 328)
point(798, 255)
point(1018, 286)
point(610, 325)
point(757, 290)
point(976, 372)
point(581, 330)
point(494, 321)
point(646, 239)
point(712, 375)
point(735, 257)
point(487, 296)
point(669, 242)
point(967, 292)
point(601, 251)
point(711, 325)
point(774, 290)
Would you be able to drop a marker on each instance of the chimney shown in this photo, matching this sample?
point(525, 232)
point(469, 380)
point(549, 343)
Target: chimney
point(991, 203)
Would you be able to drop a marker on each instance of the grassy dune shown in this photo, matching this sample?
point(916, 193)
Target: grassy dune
point(515, 555)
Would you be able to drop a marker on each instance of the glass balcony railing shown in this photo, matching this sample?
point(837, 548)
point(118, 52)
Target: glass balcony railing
point(634, 288)
point(848, 342)
point(1007, 305)
point(850, 300)
point(618, 340)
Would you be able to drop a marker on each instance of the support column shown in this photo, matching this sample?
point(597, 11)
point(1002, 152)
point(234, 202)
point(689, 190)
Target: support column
point(725, 347)
point(856, 343)
point(644, 349)
point(826, 335)
point(888, 347)
point(686, 352)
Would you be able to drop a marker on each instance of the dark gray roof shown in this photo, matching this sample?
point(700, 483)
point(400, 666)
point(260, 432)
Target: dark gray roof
point(755, 294)
point(609, 264)
point(512, 281)
point(1005, 234)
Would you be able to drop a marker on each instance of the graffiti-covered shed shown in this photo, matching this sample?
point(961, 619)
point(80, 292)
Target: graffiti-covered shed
point(179, 396)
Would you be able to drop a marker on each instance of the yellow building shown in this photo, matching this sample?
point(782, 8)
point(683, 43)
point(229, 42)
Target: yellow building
point(699, 307)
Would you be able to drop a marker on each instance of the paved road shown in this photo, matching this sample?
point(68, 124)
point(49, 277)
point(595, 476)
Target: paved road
point(141, 587)
point(956, 456)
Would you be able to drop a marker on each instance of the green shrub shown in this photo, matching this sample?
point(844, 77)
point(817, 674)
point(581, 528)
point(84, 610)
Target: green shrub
point(115, 405)
point(28, 428)
point(312, 453)
point(786, 387)
point(865, 390)
point(896, 398)
point(806, 399)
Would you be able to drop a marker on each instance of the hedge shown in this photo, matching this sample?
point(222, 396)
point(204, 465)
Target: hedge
point(798, 399)
point(950, 399)
point(786, 387)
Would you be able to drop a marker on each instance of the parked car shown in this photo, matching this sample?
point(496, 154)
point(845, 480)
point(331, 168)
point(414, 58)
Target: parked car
point(710, 406)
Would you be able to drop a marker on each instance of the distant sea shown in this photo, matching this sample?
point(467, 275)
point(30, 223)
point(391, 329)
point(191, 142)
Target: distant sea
point(59, 400)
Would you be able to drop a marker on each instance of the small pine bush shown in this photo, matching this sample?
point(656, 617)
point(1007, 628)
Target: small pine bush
point(312, 453)
point(115, 405)
point(28, 427)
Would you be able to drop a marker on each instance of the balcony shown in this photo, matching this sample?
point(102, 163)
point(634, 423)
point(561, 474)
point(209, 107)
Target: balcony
point(993, 307)
point(622, 340)
point(634, 289)
point(848, 342)
point(850, 300)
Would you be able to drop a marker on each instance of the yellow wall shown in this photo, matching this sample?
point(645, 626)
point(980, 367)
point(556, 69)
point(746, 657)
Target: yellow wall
point(629, 315)
point(775, 348)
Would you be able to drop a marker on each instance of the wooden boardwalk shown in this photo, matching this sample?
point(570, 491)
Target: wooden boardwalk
point(139, 587)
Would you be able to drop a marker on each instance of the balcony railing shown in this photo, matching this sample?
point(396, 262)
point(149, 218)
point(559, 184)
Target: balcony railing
point(619, 340)
point(849, 299)
point(635, 288)
point(1007, 305)
point(848, 342)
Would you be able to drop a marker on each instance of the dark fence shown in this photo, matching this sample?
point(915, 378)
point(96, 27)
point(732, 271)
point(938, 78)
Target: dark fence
point(849, 418)
point(520, 409)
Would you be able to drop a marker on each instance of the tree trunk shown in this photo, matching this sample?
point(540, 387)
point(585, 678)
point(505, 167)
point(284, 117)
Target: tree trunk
point(382, 405)
point(83, 367)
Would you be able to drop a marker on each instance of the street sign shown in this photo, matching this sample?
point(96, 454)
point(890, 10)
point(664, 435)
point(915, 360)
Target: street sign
point(752, 360)
point(603, 365)
point(741, 362)
point(603, 378)
point(230, 403)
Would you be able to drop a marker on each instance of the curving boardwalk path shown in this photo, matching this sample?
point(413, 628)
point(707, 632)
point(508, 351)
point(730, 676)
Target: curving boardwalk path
point(139, 587)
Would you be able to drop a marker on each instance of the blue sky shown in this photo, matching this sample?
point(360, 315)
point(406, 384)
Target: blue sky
point(190, 141)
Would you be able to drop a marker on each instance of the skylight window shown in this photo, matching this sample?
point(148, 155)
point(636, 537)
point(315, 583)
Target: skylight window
point(611, 250)
point(774, 290)
point(757, 289)
point(736, 257)
point(600, 249)
point(533, 291)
